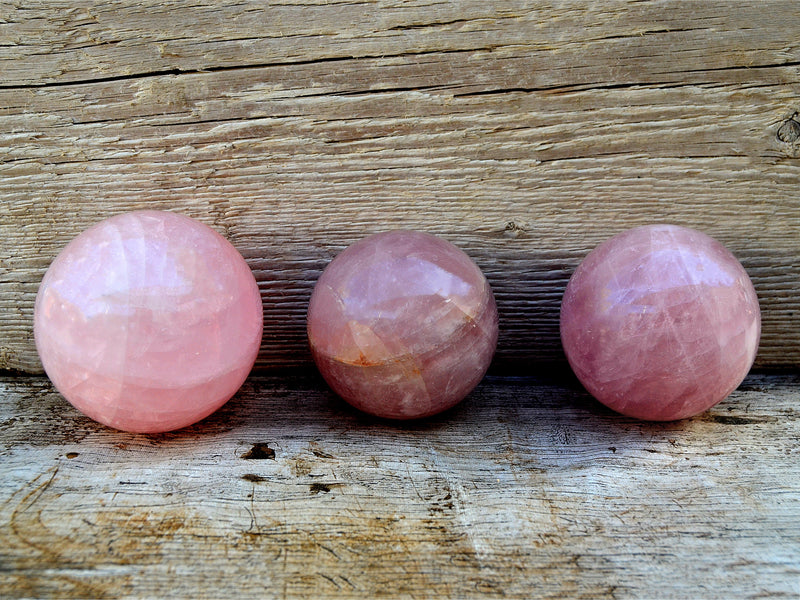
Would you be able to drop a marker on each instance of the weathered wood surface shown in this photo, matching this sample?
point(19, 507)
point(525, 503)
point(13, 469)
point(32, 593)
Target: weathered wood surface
point(528, 489)
point(524, 132)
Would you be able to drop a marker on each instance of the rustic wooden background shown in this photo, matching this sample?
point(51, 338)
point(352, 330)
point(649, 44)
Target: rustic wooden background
point(524, 132)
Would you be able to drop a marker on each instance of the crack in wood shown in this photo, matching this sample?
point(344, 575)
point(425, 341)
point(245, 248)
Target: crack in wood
point(739, 67)
point(254, 66)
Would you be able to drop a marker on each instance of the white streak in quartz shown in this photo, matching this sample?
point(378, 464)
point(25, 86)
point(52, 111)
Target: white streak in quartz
point(371, 294)
point(125, 288)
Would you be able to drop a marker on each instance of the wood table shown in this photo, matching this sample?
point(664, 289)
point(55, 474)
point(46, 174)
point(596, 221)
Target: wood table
point(529, 489)
point(523, 132)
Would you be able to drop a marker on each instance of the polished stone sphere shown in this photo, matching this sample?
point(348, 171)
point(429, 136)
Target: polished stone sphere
point(149, 321)
point(660, 322)
point(402, 325)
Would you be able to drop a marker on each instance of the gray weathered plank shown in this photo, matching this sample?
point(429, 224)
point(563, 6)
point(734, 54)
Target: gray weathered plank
point(525, 134)
point(529, 489)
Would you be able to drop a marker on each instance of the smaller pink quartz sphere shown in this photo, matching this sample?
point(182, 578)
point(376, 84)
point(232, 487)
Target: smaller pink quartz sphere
point(402, 325)
point(660, 322)
point(148, 322)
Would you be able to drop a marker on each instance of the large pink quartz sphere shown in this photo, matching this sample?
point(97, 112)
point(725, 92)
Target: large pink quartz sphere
point(148, 321)
point(402, 325)
point(660, 322)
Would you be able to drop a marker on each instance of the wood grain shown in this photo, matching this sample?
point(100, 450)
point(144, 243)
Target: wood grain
point(526, 133)
point(529, 489)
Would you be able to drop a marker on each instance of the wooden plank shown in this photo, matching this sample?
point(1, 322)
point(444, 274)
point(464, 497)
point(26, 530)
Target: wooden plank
point(524, 134)
point(529, 489)
point(83, 41)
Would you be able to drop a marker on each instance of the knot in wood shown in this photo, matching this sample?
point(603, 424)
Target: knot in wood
point(789, 131)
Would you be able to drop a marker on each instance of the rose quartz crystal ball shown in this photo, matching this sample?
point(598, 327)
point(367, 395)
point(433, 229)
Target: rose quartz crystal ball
point(402, 325)
point(660, 322)
point(148, 321)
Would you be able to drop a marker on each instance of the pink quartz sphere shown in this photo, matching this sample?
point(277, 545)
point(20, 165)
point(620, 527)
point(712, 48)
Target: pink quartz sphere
point(402, 325)
point(149, 321)
point(660, 322)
